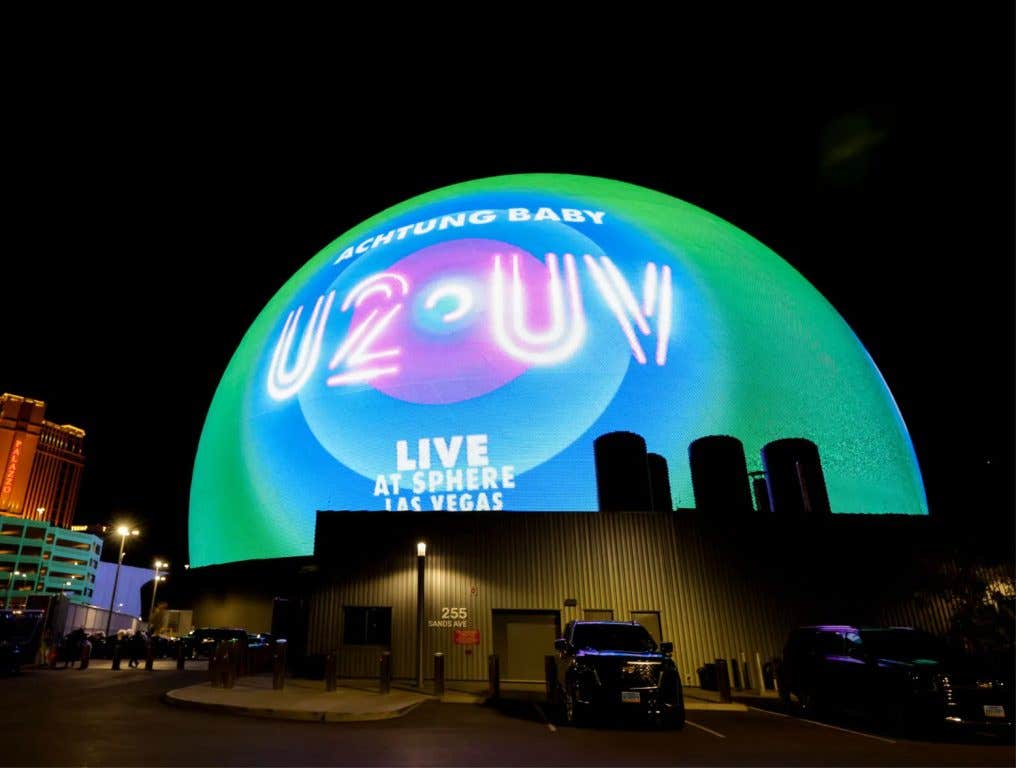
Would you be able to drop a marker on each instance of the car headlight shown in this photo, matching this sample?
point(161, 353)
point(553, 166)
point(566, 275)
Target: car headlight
point(924, 682)
point(587, 674)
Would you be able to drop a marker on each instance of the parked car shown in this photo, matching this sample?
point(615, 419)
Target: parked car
point(616, 667)
point(11, 657)
point(201, 643)
point(164, 646)
point(907, 678)
point(259, 640)
point(20, 632)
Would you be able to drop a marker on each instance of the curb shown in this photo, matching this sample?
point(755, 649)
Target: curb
point(287, 714)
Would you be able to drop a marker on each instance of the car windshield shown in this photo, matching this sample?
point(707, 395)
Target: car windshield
point(903, 644)
point(612, 637)
point(17, 628)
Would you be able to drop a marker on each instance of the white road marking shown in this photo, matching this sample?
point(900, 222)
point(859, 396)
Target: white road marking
point(825, 725)
point(707, 730)
point(550, 725)
point(847, 730)
point(767, 711)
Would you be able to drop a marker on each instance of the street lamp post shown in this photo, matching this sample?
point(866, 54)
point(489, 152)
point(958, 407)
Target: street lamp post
point(158, 564)
point(124, 532)
point(10, 588)
point(421, 564)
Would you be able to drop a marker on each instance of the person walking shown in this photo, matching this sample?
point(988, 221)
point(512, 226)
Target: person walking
point(136, 646)
point(45, 644)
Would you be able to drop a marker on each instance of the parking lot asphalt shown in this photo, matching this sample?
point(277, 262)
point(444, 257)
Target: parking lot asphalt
point(101, 717)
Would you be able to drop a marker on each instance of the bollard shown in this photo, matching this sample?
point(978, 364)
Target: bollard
point(758, 671)
point(219, 666)
point(213, 672)
point(385, 681)
point(116, 655)
point(149, 657)
point(723, 680)
point(494, 675)
point(550, 677)
point(179, 656)
point(232, 664)
point(439, 674)
point(222, 663)
point(735, 674)
point(279, 667)
point(330, 671)
point(236, 650)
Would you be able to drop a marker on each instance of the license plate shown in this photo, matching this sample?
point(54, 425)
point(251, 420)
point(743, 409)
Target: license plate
point(994, 710)
point(633, 697)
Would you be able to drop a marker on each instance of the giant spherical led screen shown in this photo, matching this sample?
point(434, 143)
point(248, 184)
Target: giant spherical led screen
point(461, 351)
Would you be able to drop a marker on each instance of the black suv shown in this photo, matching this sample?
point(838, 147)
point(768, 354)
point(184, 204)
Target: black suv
point(203, 642)
point(904, 677)
point(616, 667)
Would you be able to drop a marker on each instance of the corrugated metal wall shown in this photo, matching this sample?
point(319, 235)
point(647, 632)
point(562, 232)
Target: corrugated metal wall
point(933, 612)
point(625, 561)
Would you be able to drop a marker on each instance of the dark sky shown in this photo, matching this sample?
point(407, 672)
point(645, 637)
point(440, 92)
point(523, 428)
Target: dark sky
point(153, 209)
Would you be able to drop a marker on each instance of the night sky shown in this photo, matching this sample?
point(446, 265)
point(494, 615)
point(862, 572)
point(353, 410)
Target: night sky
point(153, 210)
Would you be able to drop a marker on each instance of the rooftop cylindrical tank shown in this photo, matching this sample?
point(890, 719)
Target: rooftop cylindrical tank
point(622, 472)
point(719, 475)
point(659, 483)
point(761, 489)
point(794, 475)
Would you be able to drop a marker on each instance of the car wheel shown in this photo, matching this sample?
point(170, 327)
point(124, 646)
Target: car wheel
point(787, 702)
point(673, 721)
point(810, 703)
point(900, 719)
point(572, 709)
point(677, 719)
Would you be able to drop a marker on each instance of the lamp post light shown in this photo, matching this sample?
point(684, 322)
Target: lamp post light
point(124, 532)
point(421, 564)
point(158, 564)
point(10, 587)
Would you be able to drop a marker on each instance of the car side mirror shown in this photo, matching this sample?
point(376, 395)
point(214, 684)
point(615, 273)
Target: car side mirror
point(561, 645)
point(667, 648)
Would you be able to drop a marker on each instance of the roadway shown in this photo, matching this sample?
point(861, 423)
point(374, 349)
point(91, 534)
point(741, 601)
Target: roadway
point(100, 717)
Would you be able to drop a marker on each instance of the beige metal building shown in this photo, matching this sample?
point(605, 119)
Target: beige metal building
point(506, 584)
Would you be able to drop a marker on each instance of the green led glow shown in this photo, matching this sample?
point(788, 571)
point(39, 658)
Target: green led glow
point(750, 349)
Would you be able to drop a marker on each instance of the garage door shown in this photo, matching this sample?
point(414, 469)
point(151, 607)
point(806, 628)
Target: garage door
point(522, 639)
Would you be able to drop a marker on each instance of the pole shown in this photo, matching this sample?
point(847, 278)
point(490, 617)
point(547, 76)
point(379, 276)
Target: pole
point(116, 580)
point(420, 566)
point(154, 588)
point(10, 589)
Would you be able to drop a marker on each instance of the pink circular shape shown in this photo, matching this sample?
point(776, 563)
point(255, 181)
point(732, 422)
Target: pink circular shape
point(442, 362)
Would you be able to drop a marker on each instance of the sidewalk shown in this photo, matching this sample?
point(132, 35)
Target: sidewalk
point(699, 699)
point(299, 700)
point(456, 692)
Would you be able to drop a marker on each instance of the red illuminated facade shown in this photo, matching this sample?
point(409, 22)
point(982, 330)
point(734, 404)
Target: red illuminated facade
point(41, 462)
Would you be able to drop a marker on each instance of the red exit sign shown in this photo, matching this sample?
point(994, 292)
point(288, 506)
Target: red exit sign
point(466, 637)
